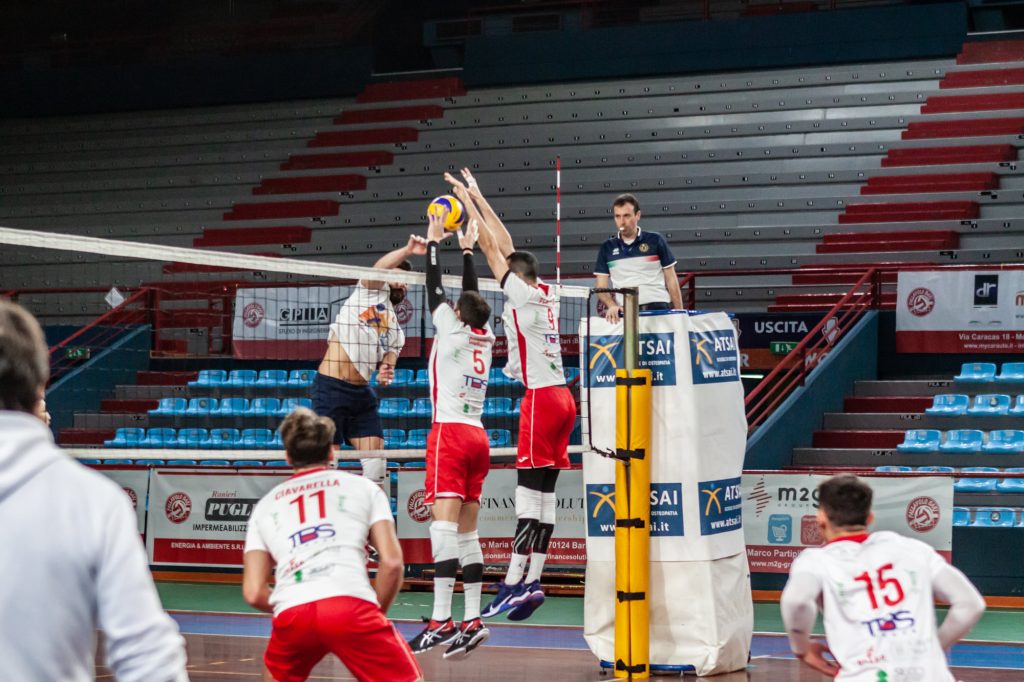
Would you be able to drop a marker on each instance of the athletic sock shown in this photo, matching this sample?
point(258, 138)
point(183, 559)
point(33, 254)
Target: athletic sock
point(445, 547)
point(472, 560)
point(543, 537)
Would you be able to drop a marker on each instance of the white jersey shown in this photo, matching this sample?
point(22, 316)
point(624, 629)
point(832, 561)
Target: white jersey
point(878, 605)
point(315, 525)
point(460, 362)
point(368, 328)
point(531, 325)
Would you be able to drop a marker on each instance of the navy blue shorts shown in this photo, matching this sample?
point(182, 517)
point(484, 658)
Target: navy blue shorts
point(353, 408)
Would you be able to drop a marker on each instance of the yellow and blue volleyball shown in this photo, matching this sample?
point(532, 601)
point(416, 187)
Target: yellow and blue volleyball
point(451, 209)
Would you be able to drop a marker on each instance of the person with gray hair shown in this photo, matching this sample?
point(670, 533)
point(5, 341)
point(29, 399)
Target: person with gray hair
point(74, 563)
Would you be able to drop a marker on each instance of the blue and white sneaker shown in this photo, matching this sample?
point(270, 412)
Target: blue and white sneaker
point(534, 597)
point(508, 597)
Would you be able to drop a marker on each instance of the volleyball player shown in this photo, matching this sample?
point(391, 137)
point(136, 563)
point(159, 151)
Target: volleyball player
point(877, 594)
point(458, 452)
point(365, 336)
point(314, 526)
point(547, 412)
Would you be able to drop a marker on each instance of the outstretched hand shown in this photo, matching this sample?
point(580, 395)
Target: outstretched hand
point(457, 187)
point(474, 188)
point(468, 238)
point(417, 245)
point(814, 657)
point(435, 229)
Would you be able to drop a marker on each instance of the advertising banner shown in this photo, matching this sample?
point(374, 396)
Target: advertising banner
point(497, 520)
point(293, 322)
point(779, 513)
point(135, 483)
point(962, 311)
point(199, 517)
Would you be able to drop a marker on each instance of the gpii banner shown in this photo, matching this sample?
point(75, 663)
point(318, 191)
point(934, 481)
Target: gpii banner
point(497, 518)
point(963, 311)
point(199, 517)
point(779, 514)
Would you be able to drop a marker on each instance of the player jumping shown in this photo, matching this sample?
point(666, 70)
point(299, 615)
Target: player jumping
point(547, 412)
point(365, 336)
point(458, 452)
point(877, 594)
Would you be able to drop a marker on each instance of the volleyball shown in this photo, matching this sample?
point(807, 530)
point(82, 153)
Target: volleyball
point(451, 209)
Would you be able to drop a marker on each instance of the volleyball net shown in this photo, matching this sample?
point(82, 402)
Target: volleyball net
point(166, 352)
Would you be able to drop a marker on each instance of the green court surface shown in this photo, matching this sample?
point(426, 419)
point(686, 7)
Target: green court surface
point(997, 625)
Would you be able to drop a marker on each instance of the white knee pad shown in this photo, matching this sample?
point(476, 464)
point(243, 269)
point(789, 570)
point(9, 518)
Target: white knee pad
point(469, 548)
point(444, 543)
point(548, 507)
point(528, 503)
point(375, 469)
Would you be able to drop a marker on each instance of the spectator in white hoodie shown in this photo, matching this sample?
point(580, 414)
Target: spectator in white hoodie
point(73, 563)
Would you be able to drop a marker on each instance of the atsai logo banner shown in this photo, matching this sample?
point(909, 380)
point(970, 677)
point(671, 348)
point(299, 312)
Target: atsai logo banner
point(666, 509)
point(657, 353)
point(714, 356)
point(721, 506)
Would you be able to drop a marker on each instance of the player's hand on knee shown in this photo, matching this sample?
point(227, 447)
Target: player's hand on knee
point(814, 657)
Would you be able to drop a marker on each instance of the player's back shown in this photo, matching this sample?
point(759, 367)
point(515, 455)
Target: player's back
point(315, 525)
point(531, 324)
point(878, 606)
point(460, 362)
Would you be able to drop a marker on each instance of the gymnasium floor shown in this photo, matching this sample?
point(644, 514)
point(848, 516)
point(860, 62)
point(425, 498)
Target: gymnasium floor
point(226, 640)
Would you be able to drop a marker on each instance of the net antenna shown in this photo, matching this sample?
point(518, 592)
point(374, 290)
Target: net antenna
point(558, 220)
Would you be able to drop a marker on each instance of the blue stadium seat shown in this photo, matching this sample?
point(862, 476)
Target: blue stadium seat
point(253, 439)
point(1011, 485)
point(126, 438)
point(349, 464)
point(393, 407)
point(181, 463)
point(949, 404)
point(149, 462)
point(1004, 440)
point(936, 470)
point(214, 463)
point(278, 463)
point(571, 374)
point(961, 516)
point(223, 439)
point(963, 440)
point(515, 410)
point(498, 378)
point(289, 404)
point(1018, 406)
point(233, 406)
point(169, 407)
point(201, 406)
point(248, 462)
point(994, 517)
point(422, 379)
point(1012, 372)
point(276, 442)
point(403, 377)
point(497, 407)
point(421, 407)
point(89, 461)
point(160, 438)
point(920, 440)
point(210, 377)
point(989, 404)
point(417, 438)
point(272, 377)
point(264, 407)
point(499, 438)
point(301, 377)
point(976, 485)
point(394, 438)
point(118, 461)
point(193, 438)
point(242, 377)
point(976, 372)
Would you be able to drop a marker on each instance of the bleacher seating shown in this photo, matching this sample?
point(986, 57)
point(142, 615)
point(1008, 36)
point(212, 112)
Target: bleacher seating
point(963, 440)
point(495, 407)
point(961, 516)
point(421, 407)
point(264, 407)
point(210, 377)
point(242, 377)
point(1004, 440)
point(224, 439)
point(936, 469)
point(949, 404)
point(417, 438)
point(1011, 485)
point(254, 439)
point(977, 372)
point(301, 377)
point(894, 469)
point(976, 485)
point(994, 517)
point(159, 438)
point(1018, 406)
point(1011, 372)
point(170, 407)
point(230, 407)
point(394, 438)
point(202, 406)
point(990, 404)
point(499, 438)
point(921, 440)
point(272, 377)
point(393, 407)
point(193, 438)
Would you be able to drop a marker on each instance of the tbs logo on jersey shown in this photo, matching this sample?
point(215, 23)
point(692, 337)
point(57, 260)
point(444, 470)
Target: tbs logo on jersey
point(657, 353)
point(304, 535)
point(715, 356)
point(666, 509)
point(897, 620)
point(721, 506)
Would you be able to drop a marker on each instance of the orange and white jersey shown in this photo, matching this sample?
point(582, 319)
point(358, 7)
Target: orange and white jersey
point(531, 325)
point(315, 525)
point(460, 362)
point(877, 599)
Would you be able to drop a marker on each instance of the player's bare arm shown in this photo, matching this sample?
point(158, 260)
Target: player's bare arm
point(486, 233)
point(672, 285)
point(416, 246)
point(501, 233)
point(256, 579)
point(390, 566)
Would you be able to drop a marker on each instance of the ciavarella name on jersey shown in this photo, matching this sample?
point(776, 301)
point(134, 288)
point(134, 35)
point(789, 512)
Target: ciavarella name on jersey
point(312, 485)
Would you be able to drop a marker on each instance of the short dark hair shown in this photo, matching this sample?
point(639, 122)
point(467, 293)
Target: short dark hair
point(307, 438)
point(24, 359)
point(846, 500)
point(404, 265)
point(624, 199)
point(524, 263)
point(473, 309)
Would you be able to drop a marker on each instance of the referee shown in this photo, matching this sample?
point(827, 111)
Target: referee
point(636, 258)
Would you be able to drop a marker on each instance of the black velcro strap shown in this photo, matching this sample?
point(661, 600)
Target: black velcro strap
point(629, 523)
point(630, 596)
point(624, 454)
point(621, 665)
point(630, 381)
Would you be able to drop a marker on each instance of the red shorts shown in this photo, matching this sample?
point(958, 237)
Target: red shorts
point(353, 629)
point(458, 459)
point(547, 417)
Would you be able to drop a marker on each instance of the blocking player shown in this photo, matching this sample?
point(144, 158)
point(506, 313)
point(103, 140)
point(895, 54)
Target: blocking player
point(547, 412)
point(876, 591)
point(458, 452)
point(365, 336)
point(314, 526)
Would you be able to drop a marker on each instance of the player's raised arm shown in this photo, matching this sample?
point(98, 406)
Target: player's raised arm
point(497, 227)
point(435, 233)
point(416, 246)
point(486, 232)
point(467, 240)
